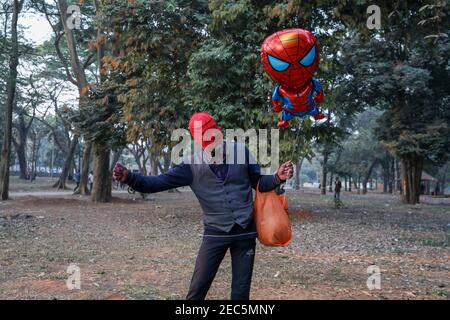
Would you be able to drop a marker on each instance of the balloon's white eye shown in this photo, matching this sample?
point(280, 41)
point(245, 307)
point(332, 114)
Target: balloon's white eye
point(277, 64)
point(308, 59)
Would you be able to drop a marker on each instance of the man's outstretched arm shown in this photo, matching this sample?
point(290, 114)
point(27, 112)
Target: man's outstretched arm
point(178, 176)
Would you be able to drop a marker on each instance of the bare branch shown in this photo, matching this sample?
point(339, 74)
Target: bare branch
point(58, 36)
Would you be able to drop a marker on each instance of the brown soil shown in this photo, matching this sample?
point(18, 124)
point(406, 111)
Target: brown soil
point(135, 249)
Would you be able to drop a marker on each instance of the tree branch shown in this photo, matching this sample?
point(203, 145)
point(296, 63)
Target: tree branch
point(58, 36)
point(89, 60)
point(63, 59)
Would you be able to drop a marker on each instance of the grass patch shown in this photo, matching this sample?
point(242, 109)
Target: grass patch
point(440, 292)
point(58, 276)
point(40, 184)
point(430, 242)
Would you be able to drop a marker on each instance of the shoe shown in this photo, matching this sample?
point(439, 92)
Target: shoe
point(283, 124)
point(319, 116)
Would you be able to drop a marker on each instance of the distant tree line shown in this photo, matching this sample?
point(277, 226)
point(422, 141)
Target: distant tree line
point(136, 70)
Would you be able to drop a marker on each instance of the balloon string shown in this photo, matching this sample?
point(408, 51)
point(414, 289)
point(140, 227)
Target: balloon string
point(294, 150)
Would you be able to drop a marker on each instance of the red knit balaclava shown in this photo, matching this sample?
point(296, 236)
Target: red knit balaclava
point(203, 121)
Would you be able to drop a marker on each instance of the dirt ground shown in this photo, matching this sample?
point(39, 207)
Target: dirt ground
point(136, 249)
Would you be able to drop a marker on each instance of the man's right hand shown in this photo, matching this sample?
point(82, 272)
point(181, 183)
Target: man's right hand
point(120, 172)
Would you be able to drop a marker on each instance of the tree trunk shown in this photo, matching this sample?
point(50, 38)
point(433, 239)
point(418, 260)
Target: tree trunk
point(102, 187)
point(393, 187)
point(358, 184)
point(115, 158)
point(84, 173)
point(52, 159)
point(330, 183)
point(141, 163)
point(443, 177)
point(20, 143)
point(367, 176)
point(386, 173)
point(33, 157)
point(144, 164)
point(154, 164)
point(364, 186)
point(345, 184)
point(10, 95)
point(411, 174)
point(397, 184)
point(61, 183)
point(323, 183)
point(389, 178)
point(22, 157)
point(167, 162)
point(298, 169)
point(350, 184)
point(101, 190)
point(76, 66)
point(153, 160)
point(78, 71)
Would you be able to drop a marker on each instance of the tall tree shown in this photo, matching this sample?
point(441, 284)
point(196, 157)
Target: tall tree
point(143, 72)
point(28, 100)
point(75, 69)
point(361, 151)
point(10, 95)
point(404, 72)
point(102, 188)
point(78, 69)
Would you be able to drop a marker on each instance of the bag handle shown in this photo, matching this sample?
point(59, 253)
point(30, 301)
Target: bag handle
point(285, 193)
point(284, 199)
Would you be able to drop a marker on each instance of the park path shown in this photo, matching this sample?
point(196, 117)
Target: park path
point(55, 193)
point(49, 193)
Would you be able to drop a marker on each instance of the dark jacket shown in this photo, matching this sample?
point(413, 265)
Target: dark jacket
point(337, 186)
point(223, 190)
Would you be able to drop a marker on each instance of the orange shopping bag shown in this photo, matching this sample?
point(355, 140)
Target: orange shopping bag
point(272, 221)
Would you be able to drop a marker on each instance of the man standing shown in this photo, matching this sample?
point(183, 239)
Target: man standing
point(77, 179)
point(337, 189)
point(224, 191)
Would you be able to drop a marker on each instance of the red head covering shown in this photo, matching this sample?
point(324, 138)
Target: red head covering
point(199, 123)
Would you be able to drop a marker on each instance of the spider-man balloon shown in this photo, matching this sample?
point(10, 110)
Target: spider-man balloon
point(291, 57)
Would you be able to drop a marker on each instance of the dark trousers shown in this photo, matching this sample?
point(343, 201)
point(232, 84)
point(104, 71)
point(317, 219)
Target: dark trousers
point(208, 261)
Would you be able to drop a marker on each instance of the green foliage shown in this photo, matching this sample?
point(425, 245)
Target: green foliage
point(99, 117)
point(338, 203)
point(227, 78)
point(406, 75)
point(149, 44)
point(361, 148)
point(165, 60)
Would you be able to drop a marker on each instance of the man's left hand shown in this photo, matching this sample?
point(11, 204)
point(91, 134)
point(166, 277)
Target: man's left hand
point(285, 171)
